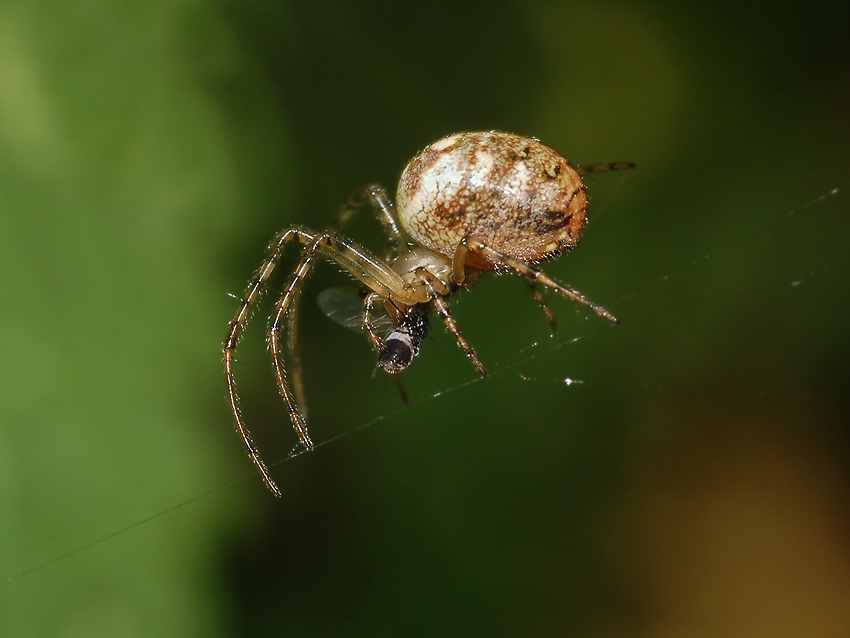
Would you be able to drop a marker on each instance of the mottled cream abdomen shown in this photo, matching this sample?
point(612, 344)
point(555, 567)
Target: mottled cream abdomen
point(515, 194)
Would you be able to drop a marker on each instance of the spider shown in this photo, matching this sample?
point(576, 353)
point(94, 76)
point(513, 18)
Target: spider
point(468, 204)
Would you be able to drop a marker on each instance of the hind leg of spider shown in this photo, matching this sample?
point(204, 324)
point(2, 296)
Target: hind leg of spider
point(474, 245)
point(237, 325)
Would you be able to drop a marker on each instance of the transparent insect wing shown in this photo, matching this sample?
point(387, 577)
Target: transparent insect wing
point(344, 306)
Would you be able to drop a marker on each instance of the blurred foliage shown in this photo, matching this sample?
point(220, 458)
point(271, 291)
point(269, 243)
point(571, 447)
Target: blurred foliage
point(693, 483)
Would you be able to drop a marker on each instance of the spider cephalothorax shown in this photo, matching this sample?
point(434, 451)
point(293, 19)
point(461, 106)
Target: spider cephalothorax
point(468, 204)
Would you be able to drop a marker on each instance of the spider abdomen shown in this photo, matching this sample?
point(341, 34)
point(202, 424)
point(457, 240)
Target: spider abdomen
point(515, 194)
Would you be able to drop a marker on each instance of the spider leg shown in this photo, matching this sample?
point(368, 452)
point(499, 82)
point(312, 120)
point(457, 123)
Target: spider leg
point(375, 273)
point(368, 326)
point(284, 308)
point(604, 168)
point(443, 310)
point(296, 369)
point(541, 302)
point(237, 325)
point(471, 244)
point(377, 197)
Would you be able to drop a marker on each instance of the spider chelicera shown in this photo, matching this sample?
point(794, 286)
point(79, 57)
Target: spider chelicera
point(468, 204)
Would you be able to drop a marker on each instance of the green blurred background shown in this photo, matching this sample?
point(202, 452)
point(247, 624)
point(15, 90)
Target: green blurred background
point(693, 484)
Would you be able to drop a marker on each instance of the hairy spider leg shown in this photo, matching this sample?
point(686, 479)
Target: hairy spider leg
point(605, 168)
point(237, 325)
point(376, 196)
point(442, 309)
point(285, 305)
point(296, 370)
point(472, 245)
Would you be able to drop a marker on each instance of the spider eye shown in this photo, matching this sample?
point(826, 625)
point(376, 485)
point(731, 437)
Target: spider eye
point(398, 352)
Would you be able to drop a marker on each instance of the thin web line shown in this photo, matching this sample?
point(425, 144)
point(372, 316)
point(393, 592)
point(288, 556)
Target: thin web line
point(735, 240)
point(523, 356)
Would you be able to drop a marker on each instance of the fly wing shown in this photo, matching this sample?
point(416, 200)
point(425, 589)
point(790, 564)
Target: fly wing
point(345, 307)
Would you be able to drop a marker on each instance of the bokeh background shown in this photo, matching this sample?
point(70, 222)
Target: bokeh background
point(694, 483)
